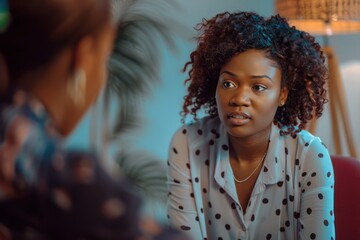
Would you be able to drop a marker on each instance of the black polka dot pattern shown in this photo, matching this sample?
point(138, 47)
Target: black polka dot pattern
point(185, 228)
point(288, 175)
point(308, 211)
point(278, 211)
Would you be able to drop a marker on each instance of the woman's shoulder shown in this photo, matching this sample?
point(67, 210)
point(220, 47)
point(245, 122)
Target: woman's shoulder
point(200, 129)
point(310, 148)
point(307, 139)
point(306, 144)
point(302, 139)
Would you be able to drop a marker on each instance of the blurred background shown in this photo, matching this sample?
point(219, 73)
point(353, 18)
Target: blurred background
point(158, 111)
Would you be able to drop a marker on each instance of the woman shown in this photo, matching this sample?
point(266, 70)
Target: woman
point(53, 60)
point(249, 170)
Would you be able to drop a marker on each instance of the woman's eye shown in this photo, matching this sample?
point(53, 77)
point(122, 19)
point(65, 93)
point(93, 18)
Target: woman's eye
point(228, 84)
point(260, 88)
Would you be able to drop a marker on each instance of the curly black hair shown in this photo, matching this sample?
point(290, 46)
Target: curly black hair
point(297, 53)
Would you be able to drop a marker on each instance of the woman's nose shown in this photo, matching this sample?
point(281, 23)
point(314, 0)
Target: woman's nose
point(240, 98)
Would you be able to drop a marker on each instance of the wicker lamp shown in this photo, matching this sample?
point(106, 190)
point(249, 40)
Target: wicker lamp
point(328, 17)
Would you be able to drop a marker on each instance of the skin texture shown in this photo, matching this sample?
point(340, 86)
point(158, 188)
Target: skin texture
point(249, 83)
point(249, 86)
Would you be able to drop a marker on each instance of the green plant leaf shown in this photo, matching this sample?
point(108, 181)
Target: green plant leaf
point(146, 173)
point(134, 63)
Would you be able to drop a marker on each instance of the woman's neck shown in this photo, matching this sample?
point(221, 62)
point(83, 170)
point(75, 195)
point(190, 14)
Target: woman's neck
point(250, 149)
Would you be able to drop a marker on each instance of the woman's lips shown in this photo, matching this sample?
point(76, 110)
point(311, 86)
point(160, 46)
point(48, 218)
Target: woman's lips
point(238, 118)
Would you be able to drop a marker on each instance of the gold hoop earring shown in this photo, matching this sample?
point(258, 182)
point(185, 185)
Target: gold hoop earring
point(76, 87)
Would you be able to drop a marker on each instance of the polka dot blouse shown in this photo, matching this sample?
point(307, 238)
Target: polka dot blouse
point(293, 197)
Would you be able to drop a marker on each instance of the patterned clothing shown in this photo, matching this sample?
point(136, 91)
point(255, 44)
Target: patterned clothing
point(293, 197)
point(49, 193)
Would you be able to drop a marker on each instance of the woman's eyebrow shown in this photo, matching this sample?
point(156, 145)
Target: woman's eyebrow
point(261, 76)
point(229, 73)
point(252, 76)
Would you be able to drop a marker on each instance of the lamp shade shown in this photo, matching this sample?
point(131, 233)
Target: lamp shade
point(322, 17)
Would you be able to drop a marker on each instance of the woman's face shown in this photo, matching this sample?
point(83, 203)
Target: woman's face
point(248, 94)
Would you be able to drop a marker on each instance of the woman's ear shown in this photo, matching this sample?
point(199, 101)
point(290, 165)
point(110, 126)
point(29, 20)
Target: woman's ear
point(283, 96)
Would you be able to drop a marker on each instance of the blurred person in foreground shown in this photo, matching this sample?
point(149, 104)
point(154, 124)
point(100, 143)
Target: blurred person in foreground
point(53, 58)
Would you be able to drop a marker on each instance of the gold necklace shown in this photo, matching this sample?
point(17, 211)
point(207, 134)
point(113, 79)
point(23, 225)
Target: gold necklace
point(248, 177)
